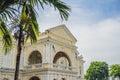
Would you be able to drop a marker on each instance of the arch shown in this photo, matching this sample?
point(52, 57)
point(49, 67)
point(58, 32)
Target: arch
point(34, 78)
point(35, 58)
point(61, 54)
point(5, 79)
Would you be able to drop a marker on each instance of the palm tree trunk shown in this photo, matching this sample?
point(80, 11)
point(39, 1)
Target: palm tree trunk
point(19, 49)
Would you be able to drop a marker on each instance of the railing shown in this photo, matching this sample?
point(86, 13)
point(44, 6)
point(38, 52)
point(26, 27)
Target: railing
point(33, 66)
point(62, 67)
point(53, 66)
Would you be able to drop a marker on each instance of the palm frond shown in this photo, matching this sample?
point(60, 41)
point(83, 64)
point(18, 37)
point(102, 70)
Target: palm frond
point(8, 13)
point(36, 3)
point(29, 22)
point(62, 7)
point(6, 37)
point(32, 33)
point(33, 19)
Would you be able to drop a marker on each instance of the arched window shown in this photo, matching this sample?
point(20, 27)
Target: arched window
point(5, 79)
point(35, 58)
point(62, 60)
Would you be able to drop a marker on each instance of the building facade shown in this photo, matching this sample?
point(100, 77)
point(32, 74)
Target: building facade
point(53, 57)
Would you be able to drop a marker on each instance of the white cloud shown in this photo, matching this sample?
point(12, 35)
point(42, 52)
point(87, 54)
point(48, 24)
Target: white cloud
point(100, 41)
point(48, 18)
point(96, 41)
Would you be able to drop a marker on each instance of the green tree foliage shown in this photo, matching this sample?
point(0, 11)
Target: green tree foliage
point(11, 8)
point(26, 27)
point(97, 71)
point(115, 70)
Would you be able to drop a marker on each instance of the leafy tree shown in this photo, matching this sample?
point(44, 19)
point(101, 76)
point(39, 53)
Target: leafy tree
point(115, 70)
point(97, 71)
point(27, 26)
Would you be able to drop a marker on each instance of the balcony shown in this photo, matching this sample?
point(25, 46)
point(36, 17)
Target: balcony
point(48, 65)
point(61, 67)
point(34, 66)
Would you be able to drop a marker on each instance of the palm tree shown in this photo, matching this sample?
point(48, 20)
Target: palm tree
point(23, 28)
point(26, 24)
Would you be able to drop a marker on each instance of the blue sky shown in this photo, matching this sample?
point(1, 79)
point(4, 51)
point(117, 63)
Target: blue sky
point(104, 8)
point(95, 24)
point(96, 10)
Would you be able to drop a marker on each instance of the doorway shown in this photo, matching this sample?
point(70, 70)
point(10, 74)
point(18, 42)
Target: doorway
point(34, 78)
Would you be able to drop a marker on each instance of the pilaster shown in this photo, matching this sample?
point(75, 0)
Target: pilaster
point(48, 53)
point(1, 57)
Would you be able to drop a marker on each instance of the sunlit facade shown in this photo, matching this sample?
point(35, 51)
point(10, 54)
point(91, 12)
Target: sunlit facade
point(53, 57)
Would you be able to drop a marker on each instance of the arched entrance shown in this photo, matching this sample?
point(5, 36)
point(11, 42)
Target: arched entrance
point(34, 78)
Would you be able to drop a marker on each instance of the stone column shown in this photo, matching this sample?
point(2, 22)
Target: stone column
point(1, 57)
point(82, 71)
point(25, 58)
point(22, 60)
point(47, 59)
point(13, 57)
point(44, 54)
point(46, 51)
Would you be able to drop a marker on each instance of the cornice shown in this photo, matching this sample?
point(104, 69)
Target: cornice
point(49, 39)
point(49, 70)
point(62, 43)
point(6, 70)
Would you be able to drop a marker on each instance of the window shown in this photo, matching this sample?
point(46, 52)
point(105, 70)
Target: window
point(35, 58)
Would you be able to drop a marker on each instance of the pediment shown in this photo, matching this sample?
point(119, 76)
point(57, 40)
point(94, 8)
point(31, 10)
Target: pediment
point(62, 32)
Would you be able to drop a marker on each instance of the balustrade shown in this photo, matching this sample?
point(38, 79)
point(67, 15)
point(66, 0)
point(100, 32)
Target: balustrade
point(54, 66)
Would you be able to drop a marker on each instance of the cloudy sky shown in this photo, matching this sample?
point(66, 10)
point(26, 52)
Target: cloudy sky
point(95, 24)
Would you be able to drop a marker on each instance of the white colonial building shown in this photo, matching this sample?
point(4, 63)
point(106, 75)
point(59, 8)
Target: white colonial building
point(53, 57)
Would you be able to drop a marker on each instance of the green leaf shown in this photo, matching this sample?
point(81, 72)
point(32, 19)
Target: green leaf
point(6, 37)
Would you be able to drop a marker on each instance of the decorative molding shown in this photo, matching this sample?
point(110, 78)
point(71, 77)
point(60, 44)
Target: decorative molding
point(66, 29)
point(48, 39)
